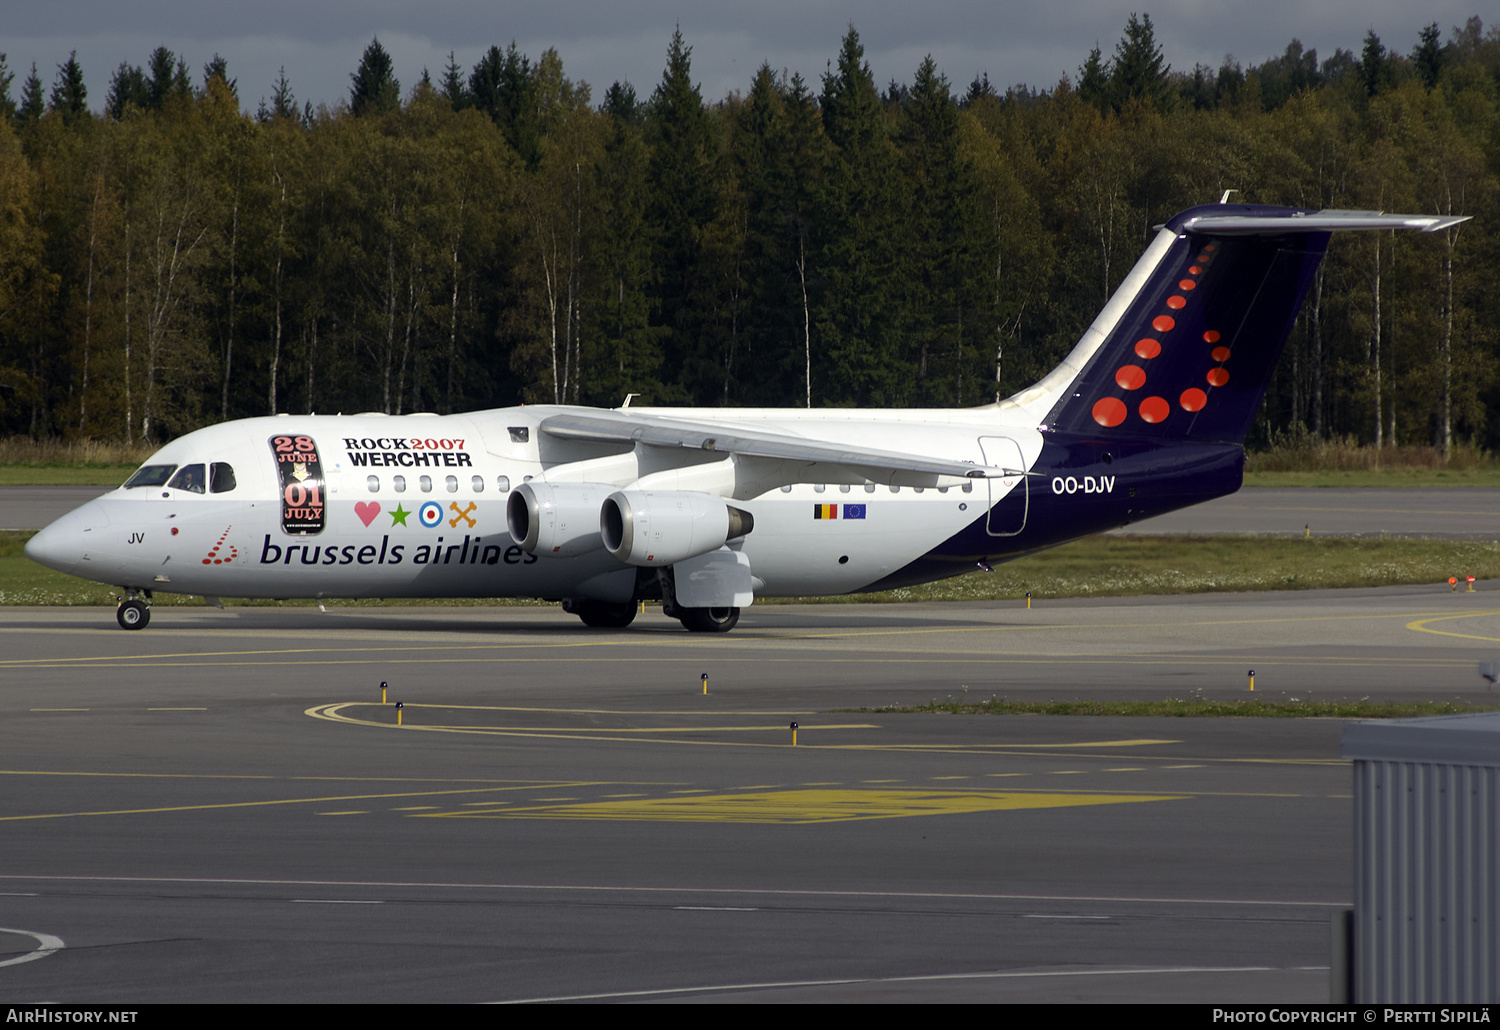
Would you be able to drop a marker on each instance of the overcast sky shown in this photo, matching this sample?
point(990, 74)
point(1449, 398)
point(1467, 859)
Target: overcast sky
point(319, 42)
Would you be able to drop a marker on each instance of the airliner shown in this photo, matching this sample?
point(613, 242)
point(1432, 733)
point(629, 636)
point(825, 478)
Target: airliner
point(705, 509)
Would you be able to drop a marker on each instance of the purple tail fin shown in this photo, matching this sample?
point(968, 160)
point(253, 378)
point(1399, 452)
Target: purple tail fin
point(1191, 355)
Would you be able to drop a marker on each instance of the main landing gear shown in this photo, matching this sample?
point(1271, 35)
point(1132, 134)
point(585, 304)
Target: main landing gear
point(709, 620)
point(133, 613)
point(652, 583)
point(602, 614)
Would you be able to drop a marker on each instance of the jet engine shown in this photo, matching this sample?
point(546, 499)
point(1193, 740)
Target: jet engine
point(655, 528)
point(560, 519)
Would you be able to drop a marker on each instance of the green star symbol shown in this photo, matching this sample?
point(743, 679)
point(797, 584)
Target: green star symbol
point(398, 517)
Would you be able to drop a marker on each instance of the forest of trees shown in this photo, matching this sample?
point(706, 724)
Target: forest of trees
point(497, 235)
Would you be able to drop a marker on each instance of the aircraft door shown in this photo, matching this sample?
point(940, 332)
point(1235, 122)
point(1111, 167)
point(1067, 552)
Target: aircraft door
point(1003, 452)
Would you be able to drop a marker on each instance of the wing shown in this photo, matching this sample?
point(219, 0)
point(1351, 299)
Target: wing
point(621, 427)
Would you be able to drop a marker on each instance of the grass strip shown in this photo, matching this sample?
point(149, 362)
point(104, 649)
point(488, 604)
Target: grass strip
point(1191, 708)
point(1096, 566)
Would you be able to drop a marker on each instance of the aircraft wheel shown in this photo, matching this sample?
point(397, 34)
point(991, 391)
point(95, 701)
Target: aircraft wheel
point(133, 615)
point(603, 615)
point(710, 620)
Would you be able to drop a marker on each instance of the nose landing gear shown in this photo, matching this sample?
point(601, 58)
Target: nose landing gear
point(133, 613)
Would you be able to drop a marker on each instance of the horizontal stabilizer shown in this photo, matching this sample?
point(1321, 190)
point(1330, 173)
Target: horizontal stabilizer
point(1307, 221)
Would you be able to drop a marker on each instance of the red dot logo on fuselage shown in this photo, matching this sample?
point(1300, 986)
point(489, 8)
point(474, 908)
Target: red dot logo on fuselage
point(430, 514)
point(213, 555)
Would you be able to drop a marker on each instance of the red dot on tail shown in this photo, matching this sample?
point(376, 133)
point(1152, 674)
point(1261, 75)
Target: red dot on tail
point(1154, 409)
point(1109, 412)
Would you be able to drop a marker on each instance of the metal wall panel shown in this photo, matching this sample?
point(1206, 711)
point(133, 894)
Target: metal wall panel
point(1426, 881)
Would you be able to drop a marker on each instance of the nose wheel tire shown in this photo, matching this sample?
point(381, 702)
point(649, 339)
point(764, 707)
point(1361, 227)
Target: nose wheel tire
point(133, 615)
point(709, 620)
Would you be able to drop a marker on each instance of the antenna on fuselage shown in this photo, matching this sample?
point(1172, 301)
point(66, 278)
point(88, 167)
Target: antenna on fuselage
point(628, 398)
point(1225, 198)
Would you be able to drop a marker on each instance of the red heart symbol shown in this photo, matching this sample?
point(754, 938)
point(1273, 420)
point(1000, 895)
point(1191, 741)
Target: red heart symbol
point(367, 510)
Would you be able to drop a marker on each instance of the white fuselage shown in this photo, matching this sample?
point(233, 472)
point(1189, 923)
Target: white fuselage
point(415, 505)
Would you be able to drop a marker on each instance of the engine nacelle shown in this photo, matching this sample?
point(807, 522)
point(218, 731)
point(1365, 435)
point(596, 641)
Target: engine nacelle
point(559, 519)
point(654, 528)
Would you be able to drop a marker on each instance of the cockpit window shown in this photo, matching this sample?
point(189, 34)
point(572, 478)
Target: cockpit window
point(150, 475)
point(189, 478)
point(221, 477)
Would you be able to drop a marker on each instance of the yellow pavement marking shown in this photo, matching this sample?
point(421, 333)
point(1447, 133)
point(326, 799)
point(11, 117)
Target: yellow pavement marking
point(657, 644)
point(334, 713)
point(625, 734)
point(1142, 742)
point(1423, 626)
point(271, 802)
point(807, 806)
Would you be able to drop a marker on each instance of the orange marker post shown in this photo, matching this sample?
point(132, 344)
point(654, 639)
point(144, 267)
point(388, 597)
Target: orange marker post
point(1471, 584)
point(1453, 584)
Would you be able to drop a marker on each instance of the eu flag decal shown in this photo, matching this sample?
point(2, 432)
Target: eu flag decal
point(825, 511)
point(854, 511)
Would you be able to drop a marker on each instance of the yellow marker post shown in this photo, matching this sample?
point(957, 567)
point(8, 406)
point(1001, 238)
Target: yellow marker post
point(1307, 531)
point(705, 684)
point(1252, 679)
point(399, 706)
point(794, 734)
point(1028, 600)
point(1471, 584)
point(382, 691)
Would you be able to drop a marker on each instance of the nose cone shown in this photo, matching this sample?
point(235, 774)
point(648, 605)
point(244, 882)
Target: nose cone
point(65, 544)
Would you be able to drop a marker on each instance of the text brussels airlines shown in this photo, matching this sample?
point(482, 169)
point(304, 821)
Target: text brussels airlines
point(471, 551)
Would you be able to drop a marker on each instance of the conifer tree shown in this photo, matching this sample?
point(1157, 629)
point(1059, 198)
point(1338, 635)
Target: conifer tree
point(127, 88)
point(69, 94)
point(7, 105)
point(681, 205)
point(453, 89)
point(31, 106)
point(283, 103)
point(1093, 80)
point(861, 319)
point(219, 68)
point(1427, 58)
point(168, 79)
point(1139, 72)
point(375, 89)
